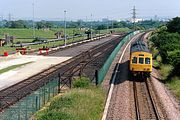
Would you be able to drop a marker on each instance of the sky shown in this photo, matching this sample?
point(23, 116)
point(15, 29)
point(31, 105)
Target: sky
point(82, 9)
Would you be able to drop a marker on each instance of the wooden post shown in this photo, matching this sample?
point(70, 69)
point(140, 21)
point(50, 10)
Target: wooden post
point(96, 77)
point(59, 82)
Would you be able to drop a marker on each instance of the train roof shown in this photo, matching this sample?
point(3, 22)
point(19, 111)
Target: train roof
point(139, 46)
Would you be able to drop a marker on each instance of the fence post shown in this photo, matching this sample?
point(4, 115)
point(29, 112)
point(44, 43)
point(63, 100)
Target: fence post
point(70, 80)
point(37, 108)
point(96, 77)
point(59, 82)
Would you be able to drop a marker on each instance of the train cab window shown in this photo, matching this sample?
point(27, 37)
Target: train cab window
point(141, 60)
point(134, 60)
point(147, 60)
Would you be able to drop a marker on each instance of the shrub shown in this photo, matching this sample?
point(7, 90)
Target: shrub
point(166, 71)
point(53, 115)
point(156, 64)
point(81, 82)
point(159, 59)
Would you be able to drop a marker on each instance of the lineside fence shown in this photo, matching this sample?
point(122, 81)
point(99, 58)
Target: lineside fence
point(101, 73)
point(27, 106)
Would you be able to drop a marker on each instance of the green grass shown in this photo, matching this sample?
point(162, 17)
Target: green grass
point(165, 70)
point(78, 104)
point(116, 30)
point(24, 40)
point(50, 44)
point(7, 49)
point(84, 102)
point(28, 33)
point(174, 84)
point(12, 67)
point(121, 29)
point(81, 82)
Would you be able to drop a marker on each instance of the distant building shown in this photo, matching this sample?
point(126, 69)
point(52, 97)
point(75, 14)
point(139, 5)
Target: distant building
point(136, 20)
point(105, 20)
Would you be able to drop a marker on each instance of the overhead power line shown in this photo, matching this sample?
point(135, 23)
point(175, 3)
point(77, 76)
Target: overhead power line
point(134, 17)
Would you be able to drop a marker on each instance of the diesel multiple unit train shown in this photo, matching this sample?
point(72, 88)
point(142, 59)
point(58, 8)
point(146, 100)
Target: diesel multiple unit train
point(140, 59)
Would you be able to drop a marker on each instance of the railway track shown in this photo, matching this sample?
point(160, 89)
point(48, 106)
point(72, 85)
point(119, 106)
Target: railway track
point(118, 91)
point(64, 71)
point(144, 103)
point(131, 98)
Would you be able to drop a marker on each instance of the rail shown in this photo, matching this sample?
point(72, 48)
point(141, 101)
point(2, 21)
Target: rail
point(142, 83)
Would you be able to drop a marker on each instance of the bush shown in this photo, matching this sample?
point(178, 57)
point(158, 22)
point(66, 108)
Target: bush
point(166, 71)
point(159, 59)
point(156, 64)
point(81, 82)
point(174, 84)
point(53, 115)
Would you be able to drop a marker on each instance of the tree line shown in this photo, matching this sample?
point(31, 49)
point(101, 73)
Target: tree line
point(167, 40)
point(98, 25)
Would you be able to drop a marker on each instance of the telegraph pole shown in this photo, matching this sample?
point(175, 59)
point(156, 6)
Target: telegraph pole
point(9, 15)
point(65, 28)
point(91, 26)
point(134, 17)
point(33, 22)
point(107, 25)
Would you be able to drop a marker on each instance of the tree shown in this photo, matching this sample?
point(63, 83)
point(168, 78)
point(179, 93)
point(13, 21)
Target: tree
point(101, 27)
point(174, 25)
point(16, 24)
point(44, 24)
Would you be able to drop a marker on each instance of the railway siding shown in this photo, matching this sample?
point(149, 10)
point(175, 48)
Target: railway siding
point(49, 81)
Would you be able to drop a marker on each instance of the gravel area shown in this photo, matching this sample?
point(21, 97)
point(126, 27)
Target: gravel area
point(73, 51)
point(168, 101)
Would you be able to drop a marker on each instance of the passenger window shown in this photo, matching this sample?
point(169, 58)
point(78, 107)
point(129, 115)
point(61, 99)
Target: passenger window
point(141, 60)
point(134, 60)
point(147, 60)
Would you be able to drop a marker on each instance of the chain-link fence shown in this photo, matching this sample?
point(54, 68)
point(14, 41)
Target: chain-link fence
point(27, 106)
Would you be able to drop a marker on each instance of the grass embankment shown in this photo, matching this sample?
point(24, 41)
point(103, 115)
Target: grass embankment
point(83, 102)
point(12, 67)
point(173, 83)
point(166, 71)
